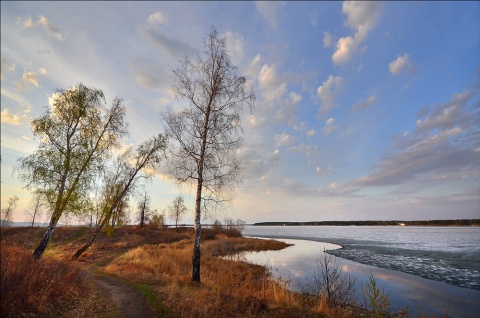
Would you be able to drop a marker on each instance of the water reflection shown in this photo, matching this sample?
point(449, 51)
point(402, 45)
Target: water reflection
point(298, 262)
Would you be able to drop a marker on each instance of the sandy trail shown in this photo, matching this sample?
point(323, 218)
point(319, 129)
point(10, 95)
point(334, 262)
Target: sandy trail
point(124, 296)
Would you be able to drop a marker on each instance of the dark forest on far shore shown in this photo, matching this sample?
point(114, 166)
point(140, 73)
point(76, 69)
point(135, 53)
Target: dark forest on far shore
point(461, 222)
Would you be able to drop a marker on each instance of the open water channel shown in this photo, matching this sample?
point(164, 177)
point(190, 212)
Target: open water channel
point(427, 269)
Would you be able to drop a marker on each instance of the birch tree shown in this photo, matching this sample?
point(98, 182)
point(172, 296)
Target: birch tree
point(36, 208)
point(177, 210)
point(207, 133)
point(122, 180)
point(144, 208)
point(76, 135)
point(6, 215)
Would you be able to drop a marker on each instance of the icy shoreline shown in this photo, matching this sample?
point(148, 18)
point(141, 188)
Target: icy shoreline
point(445, 254)
point(296, 264)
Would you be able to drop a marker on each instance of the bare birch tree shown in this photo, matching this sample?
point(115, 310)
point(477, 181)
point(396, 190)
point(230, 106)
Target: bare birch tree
point(207, 132)
point(177, 210)
point(76, 134)
point(121, 182)
point(36, 208)
point(144, 208)
point(6, 216)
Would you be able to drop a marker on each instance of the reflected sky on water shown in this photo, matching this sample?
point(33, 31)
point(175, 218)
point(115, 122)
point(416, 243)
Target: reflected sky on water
point(298, 262)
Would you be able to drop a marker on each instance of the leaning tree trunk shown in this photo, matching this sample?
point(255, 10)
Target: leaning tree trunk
point(90, 241)
point(46, 238)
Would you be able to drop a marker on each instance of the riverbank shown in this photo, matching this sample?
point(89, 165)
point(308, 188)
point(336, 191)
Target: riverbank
point(298, 263)
point(151, 266)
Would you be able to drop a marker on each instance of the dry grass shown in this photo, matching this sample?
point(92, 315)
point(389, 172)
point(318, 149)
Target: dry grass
point(228, 288)
point(41, 288)
point(158, 262)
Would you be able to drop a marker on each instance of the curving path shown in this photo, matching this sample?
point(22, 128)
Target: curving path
point(129, 301)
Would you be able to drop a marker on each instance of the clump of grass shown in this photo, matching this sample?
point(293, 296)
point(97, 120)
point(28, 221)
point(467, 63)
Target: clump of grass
point(34, 287)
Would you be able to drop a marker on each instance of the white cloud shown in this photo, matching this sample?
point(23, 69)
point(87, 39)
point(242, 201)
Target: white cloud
point(253, 69)
point(10, 119)
point(45, 24)
point(327, 39)
point(268, 10)
point(6, 66)
point(257, 121)
point(157, 18)
point(401, 63)
point(284, 139)
point(42, 71)
point(14, 97)
point(235, 46)
point(268, 76)
point(446, 116)
point(311, 133)
point(28, 23)
point(273, 86)
point(329, 127)
point(364, 104)
point(51, 29)
point(362, 17)
point(345, 47)
point(433, 154)
point(288, 112)
point(328, 92)
point(260, 162)
point(444, 143)
point(305, 149)
point(28, 80)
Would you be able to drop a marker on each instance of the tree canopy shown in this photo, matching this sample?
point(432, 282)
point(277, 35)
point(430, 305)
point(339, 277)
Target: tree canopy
point(76, 134)
point(207, 133)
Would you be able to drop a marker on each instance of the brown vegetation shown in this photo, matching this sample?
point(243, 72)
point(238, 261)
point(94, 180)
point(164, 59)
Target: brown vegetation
point(42, 288)
point(157, 262)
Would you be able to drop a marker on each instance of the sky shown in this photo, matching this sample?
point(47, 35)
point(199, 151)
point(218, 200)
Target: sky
point(364, 110)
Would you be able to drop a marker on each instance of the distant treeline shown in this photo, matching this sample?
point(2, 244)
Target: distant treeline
point(463, 222)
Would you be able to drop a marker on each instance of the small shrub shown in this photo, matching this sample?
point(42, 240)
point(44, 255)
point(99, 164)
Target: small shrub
point(333, 285)
point(217, 229)
point(376, 301)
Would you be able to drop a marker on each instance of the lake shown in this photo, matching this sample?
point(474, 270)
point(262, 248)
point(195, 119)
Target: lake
point(428, 269)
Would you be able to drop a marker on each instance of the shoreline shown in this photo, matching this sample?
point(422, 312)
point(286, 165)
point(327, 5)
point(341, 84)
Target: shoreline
point(407, 290)
point(372, 254)
point(456, 222)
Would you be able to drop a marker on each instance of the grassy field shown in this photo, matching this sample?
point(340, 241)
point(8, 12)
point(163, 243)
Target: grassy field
point(156, 264)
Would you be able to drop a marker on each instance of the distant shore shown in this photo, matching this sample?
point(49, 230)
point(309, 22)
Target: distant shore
point(459, 222)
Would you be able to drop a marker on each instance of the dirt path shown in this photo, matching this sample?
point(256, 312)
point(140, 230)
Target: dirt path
point(129, 301)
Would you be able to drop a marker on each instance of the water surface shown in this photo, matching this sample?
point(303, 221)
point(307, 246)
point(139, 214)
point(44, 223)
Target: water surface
point(445, 254)
point(298, 262)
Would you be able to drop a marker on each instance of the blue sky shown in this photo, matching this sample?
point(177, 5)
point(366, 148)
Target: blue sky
point(366, 110)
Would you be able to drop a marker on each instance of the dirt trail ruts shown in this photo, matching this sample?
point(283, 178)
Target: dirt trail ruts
point(129, 301)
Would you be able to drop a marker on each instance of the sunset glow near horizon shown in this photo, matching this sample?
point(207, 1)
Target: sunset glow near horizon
point(364, 110)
